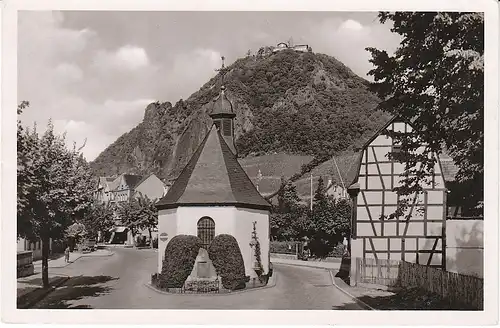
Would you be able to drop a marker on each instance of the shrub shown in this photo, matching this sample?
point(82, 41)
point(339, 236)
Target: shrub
point(284, 247)
point(228, 262)
point(180, 255)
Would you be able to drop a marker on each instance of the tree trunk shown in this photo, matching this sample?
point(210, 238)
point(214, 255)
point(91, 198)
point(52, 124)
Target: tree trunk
point(150, 238)
point(45, 260)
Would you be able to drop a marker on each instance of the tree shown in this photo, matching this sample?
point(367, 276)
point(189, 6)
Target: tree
point(435, 81)
point(74, 233)
point(147, 216)
point(287, 217)
point(329, 222)
point(100, 217)
point(54, 186)
point(128, 212)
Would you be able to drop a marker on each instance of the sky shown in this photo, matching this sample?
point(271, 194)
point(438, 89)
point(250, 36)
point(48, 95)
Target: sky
point(93, 73)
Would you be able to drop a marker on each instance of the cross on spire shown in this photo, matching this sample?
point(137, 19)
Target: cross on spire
point(223, 70)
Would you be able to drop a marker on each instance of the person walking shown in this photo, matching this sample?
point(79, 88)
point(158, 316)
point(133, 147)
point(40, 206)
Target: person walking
point(66, 254)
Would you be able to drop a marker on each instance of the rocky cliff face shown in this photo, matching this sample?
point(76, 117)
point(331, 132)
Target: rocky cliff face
point(289, 102)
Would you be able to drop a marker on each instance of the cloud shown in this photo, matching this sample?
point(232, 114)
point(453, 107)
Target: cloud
point(189, 71)
point(347, 41)
point(114, 118)
point(56, 76)
point(127, 57)
point(68, 72)
point(351, 24)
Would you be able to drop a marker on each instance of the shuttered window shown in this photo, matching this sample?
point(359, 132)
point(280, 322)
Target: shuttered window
point(226, 128)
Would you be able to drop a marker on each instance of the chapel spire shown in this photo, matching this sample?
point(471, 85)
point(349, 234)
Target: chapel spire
point(222, 112)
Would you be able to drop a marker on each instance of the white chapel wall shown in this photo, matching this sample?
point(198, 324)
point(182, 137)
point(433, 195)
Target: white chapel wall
point(244, 227)
point(167, 223)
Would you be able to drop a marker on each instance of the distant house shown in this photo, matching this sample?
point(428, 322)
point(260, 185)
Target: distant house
point(103, 188)
point(34, 246)
point(121, 189)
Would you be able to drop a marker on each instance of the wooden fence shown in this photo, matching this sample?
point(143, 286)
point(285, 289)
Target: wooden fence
point(380, 272)
point(450, 285)
point(24, 264)
point(453, 286)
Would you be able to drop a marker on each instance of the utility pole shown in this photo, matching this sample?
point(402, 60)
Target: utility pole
point(311, 191)
point(340, 176)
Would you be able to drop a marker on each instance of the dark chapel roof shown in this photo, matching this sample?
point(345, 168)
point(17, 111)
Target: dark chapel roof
point(213, 177)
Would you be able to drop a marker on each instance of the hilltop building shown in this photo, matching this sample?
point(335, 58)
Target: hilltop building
point(213, 195)
point(298, 47)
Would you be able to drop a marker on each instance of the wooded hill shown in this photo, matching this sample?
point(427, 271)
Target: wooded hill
point(304, 104)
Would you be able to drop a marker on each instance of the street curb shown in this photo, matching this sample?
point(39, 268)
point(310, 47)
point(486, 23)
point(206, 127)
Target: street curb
point(79, 257)
point(269, 285)
point(357, 300)
point(42, 295)
point(304, 265)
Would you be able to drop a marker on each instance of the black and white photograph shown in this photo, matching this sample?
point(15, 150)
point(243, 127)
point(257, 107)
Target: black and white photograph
point(225, 159)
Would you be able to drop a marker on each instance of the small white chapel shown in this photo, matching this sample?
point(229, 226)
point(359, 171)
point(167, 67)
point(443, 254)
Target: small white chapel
point(213, 195)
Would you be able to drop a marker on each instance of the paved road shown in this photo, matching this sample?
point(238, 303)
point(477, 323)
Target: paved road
point(117, 282)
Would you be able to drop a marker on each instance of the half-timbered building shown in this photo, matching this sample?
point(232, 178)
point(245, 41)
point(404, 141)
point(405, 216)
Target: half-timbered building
point(418, 235)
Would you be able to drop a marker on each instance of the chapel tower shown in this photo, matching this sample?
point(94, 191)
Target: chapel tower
point(222, 113)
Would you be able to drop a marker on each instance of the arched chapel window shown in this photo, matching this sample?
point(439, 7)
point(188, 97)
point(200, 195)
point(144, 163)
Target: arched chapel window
point(206, 231)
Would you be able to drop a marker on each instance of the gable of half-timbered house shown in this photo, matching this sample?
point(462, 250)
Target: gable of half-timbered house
point(417, 236)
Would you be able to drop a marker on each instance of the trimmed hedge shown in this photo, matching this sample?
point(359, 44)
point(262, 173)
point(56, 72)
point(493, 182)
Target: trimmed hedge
point(228, 262)
point(180, 255)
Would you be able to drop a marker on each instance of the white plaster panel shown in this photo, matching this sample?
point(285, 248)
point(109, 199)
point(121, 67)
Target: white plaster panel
point(388, 210)
point(435, 197)
point(387, 182)
point(370, 155)
point(362, 214)
point(374, 183)
point(411, 244)
point(398, 168)
point(382, 152)
point(379, 244)
point(372, 169)
point(434, 212)
point(399, 127)
point(395, 244)
point(396, 256)
point(385, 168)
point(389, 228)
point(415, 229)
point(434, 229)
point(167, 223)
point(365, 229)
point(373, 197)
point(362, 183)
point(382, 256)
point(381, 140)
point(376, 212)
point(391, 198)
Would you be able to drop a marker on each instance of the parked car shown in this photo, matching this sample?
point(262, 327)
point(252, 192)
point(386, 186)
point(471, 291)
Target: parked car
point(89, 245)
